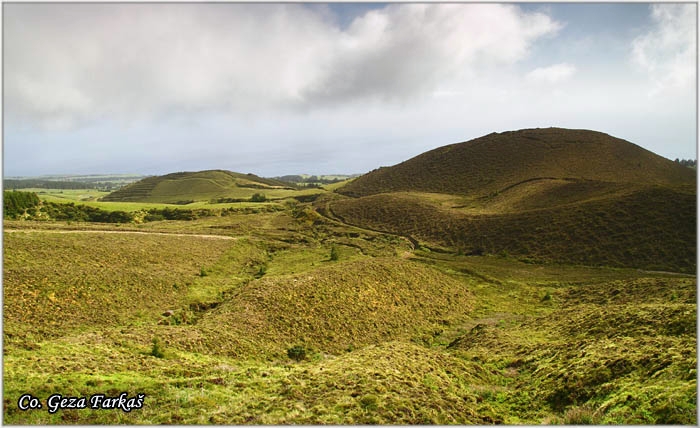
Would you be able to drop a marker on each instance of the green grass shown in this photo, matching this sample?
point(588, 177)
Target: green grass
point(650, 227)
point(91, 198)
point(390, 335)
point(56, 283)
point(495, 162)
point(67, 195)
point(203, 186)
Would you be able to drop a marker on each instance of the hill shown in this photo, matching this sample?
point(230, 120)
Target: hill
point(184, 187)
point(497, 161)
point(569, 196)
point(334, 308)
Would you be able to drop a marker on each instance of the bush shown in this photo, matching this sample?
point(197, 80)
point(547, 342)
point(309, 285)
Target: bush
point(258, 197)
point(334, 253)
point(296, 353)
point(16, 203)
point(369, 402)
point(580, 416)
point(157, 350)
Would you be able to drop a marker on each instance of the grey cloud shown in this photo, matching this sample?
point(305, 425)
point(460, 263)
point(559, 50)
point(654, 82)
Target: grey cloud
point(404, 51)
point(70, 64)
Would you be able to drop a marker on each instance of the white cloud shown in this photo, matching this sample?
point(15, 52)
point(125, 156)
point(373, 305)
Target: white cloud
point(552, 74)
point(668, 51)
point(406, 50)
point(69, 64)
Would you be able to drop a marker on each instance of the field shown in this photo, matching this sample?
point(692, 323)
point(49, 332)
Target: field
point(186, 187)
point(463, 286)
point(91, 197)
point(287, 316)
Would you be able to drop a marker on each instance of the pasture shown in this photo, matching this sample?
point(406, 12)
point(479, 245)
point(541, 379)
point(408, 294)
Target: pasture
point(202, 316)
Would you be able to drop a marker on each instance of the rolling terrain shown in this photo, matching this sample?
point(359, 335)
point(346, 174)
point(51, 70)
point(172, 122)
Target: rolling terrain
point(187, 187)
point(568, 196)
point(383, 333)
point(554, 296)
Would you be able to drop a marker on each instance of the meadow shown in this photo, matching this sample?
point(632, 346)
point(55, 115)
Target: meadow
point(283, 315)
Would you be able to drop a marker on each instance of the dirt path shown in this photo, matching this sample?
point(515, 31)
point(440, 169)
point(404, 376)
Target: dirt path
point(120, 231)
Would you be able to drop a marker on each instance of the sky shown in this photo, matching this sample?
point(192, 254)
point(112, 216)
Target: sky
point(276, 89)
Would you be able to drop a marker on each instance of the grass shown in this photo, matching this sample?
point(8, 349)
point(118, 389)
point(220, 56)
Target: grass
point(493, 163)
point(390, 334)
point(92, 198)
point(650, 227)
point(203, 186)
point(57, 283)
point(548, 195)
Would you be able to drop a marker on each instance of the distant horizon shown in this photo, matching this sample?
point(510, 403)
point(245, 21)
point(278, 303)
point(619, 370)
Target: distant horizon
point(274, 89)
point(129, 174)
point(146, 174)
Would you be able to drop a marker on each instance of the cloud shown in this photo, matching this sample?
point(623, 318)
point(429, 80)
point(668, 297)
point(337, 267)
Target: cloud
point(403, 51)
point(552, 74)
point(668, 51)
point(67, 65)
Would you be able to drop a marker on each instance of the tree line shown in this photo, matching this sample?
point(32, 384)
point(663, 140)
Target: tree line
point(690, 163)
point(27, 204)
point(16, 204)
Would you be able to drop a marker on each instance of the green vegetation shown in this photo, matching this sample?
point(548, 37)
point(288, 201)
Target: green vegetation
point(690, 163)
point(157, 349)
point(187, 187)
point(496, 161)
point(603, 231)
point(45, 184)
point(522, 305)
point(72, 182)
point(258, 197)
point(382, 335)
point(71, 212)
point(550, 195)
point(16, 204)
point(334, 253)
point(297, 353)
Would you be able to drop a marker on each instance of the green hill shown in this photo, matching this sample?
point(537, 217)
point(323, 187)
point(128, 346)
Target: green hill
point(560, 195)
point(497, 161)
point(182, 187)
point(334, 309)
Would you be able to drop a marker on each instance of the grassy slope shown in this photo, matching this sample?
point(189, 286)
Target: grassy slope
point(486, 345)
point(548, 194)
point(497, 161)
point(198, 186)
point(651, 228)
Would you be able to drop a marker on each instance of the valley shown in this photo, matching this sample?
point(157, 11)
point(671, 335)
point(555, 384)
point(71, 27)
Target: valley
point(557, 287)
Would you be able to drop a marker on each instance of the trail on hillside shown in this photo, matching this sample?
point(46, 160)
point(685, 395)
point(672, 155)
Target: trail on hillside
point(122, 231)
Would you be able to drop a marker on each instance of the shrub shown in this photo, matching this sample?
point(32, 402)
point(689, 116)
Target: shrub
point(258, 197)
point(156, 349)
point(580, 416)
point(334, 253)
point(296, 353)
point(369, 402)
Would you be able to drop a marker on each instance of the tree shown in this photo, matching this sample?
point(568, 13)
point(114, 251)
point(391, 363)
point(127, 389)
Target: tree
point(258, 197)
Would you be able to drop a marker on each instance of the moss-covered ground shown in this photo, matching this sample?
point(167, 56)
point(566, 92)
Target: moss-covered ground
point(390, 334)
